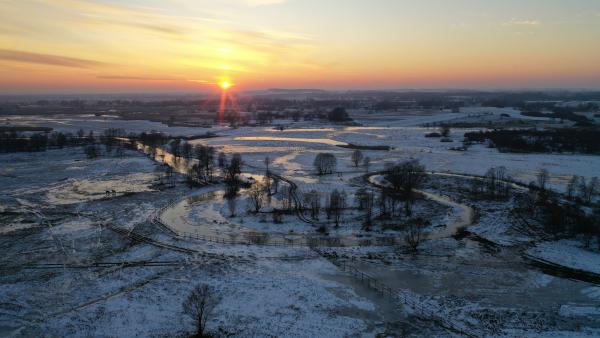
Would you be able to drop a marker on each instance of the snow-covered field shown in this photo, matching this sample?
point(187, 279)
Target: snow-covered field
point(567, 253)
point(57, 220)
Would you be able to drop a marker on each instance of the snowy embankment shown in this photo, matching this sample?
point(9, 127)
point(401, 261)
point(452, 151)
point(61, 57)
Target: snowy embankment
point(568, 254)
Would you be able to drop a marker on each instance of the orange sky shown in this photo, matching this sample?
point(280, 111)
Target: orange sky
point(152, 45)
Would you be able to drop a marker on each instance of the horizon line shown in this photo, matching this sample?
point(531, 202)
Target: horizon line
point(299, 89)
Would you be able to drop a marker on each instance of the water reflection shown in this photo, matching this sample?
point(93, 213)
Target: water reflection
point(220, 230)
point(463, 216)
point(291, 139)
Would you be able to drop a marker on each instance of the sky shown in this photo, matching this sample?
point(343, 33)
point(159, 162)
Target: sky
point(104, 46)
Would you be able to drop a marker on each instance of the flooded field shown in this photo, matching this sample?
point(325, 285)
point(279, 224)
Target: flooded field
point(470, 267)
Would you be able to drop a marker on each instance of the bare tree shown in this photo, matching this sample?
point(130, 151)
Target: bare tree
point(367, 163)
point(587, 191)
point(405, 178)
point(572, 186)
point(542, 179)
point(287, 198)
point(591, 189)
point(275, 184)
point(231, 205)
point(336, 205)
point(359, 198)
point(193, 174)
point(582, 188)
point(392, 203)
point(267, 162)
point(414, 234)
point(234, 168)
point(503, 188)
point(366, 203)
point(495, 182)
point(357, 157)
point(383, 203)
point(267, 184)
point(222, 160)
point(175, 148)
point(312, 199)
point(205, 156)
point(186, 150)
point(257, 197)
point(490, 179)
point(325, 163)
point(199, 306)
point(91, 138)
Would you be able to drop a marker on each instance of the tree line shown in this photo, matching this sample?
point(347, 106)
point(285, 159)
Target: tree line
point(581, 140)
point(14, 141)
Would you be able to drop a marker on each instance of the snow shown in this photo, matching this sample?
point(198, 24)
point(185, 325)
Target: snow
point(567, 253)
point(72, 123)
point(259, 300)
point(578, 310)
point(592, 292)
point(55, 210)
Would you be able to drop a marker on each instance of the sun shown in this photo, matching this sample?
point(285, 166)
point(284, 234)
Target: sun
point(225, 85)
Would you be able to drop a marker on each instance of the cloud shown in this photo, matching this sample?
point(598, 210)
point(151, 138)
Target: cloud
point(136, 78)
point(163, 29)
point(144, 78)
point(8, 28)
point(263, 2)
point(97, 7)
point(141, 18)
point(47, 59)
point(199, 81)
point(264, 41)
point(522, 23)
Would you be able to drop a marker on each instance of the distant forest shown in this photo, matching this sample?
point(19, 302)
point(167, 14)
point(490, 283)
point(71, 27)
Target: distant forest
point(563, 114)
point(576, 140)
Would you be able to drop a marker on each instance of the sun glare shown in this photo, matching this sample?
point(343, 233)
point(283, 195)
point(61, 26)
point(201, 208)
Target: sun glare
point(225, 85)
